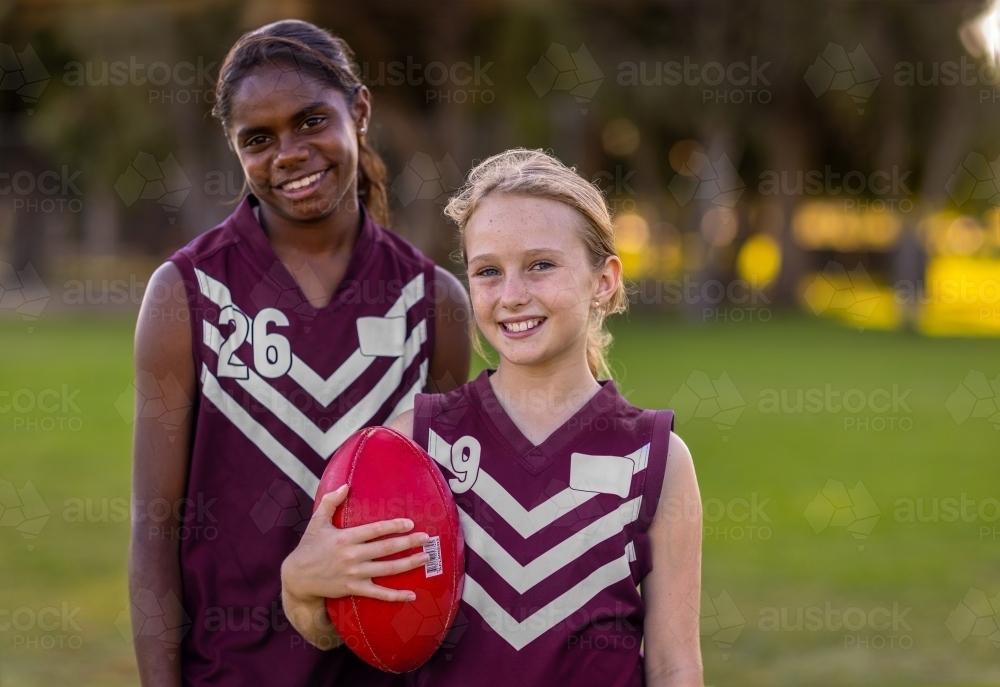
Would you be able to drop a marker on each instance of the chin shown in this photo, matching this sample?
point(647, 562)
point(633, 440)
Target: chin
point(520, 356)
point(309, 209)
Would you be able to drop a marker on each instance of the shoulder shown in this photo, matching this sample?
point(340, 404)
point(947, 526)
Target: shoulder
point(166, 290)
point(679, 477)
point(678, 454)
point(163, 329)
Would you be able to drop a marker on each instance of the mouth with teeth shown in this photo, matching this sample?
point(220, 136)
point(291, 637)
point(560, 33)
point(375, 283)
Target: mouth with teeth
point(521, 327)
point(302, 186)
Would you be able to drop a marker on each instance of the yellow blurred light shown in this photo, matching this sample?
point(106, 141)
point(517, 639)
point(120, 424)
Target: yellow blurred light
point(964, 236)
point(819, 225)
point(620, 137)
point(759, 259)
point(858, 302)
point(670, 259)
point(631, 232)
point(933, 229)
point(961, 297)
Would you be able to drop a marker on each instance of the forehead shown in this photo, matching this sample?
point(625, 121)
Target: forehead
point(280, 89)
point(506, 223)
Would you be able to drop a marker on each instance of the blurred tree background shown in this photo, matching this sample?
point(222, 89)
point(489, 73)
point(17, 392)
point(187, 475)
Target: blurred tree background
point(703, 122)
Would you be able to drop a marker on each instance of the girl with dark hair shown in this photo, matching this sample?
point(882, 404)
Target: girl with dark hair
point(289, 326)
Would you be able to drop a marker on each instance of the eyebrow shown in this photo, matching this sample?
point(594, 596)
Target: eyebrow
point(304, 112)
point(488, 257)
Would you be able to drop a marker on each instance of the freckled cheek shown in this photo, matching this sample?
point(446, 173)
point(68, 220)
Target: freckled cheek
point(484, 301)
point(563, 295)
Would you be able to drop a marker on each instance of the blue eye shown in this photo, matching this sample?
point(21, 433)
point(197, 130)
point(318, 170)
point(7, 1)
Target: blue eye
point(542, 265)
point(488, 272)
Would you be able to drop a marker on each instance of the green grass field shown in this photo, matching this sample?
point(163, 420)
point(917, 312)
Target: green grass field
point(761, 567)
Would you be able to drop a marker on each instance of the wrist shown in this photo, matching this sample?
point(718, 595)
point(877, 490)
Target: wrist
point(289, 588)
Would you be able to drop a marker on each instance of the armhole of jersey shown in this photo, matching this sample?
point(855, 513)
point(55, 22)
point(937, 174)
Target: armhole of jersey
point(659, 445)
point(423, 406)
point(431, 295)
point(190, 283)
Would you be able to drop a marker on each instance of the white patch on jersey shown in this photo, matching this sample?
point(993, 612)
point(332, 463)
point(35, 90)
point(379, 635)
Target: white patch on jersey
point(525, 522)
point(602, 474)
point(383, 336)
point(520, 634)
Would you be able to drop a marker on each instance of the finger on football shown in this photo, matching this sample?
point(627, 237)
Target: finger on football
point(387, 547)
point(393, 567)
point(374, 591)
point(374, 530)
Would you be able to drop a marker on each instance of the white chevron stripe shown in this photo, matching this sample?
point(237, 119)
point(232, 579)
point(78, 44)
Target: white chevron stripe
point(525, 522)
point(406, 402)
point(213, 289)
point(211, 336)
point(323, 390)
point(256, 433)
point(520, 634)
point(523, 578)
point(325, 443)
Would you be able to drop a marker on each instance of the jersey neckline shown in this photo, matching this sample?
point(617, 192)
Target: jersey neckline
point(535, 458)
point(254, 241)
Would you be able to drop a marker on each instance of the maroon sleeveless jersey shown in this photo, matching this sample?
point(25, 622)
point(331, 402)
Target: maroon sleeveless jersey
point(281, 386)
point(555, 539)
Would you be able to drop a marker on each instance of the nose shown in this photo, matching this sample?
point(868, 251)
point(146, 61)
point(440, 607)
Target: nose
point(291, 153)
point(515, 292)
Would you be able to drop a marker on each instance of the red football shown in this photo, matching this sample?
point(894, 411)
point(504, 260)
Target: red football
point(392, 477)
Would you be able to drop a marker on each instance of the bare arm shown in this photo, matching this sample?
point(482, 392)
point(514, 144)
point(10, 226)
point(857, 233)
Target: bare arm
point(672, 591)
point(453, 339)
point(160, 459)
point(332, 563)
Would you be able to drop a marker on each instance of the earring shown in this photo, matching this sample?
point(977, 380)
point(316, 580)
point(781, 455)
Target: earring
point(364, 128)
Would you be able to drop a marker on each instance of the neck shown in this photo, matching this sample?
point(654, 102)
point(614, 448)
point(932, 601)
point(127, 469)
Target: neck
point(334, 233)
point(558, 387)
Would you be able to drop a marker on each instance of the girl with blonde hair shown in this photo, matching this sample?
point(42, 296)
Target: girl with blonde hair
point(567, 493)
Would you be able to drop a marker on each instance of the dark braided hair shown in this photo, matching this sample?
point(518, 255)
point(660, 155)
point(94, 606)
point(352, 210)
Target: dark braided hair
point(320, 54)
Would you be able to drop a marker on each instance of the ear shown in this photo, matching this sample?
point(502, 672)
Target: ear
point(362, 108)
point(609, 276)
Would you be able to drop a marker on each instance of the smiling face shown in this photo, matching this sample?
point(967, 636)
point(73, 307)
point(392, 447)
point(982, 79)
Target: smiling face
point(297, 141)
point(532, 282)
